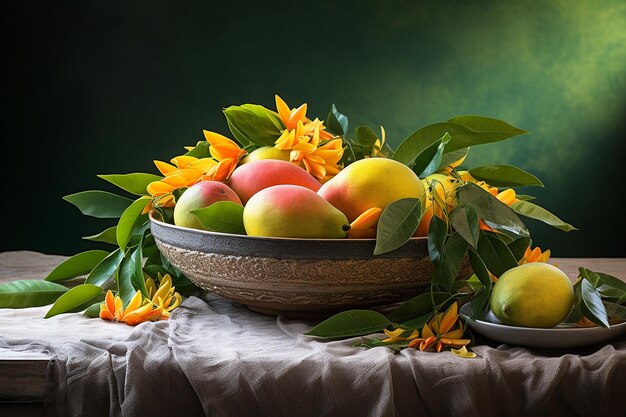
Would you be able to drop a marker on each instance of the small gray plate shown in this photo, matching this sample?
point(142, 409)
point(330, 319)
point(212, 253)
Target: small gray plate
point(563, 336)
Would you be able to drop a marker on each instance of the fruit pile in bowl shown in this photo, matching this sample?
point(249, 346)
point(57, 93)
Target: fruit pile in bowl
point(293, 245)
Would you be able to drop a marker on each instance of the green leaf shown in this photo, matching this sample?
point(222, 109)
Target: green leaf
point(100, 204)
point(372, 343)
point(446, 271)
point(533, 211)
point(449, 158)
point(480, 302)
point(130, 218)
point(93, 311)
point(417, 306)
point(106, 236)
point(495, 254)
point(72, 299)
point(429, 160)
point(611, 281)
point(483, 130)
point(29, 293)
point(525, 197)
point(616, 311)
point(76, 266)
point(350, 323)
point(419, 322)
point(253, 124)
point(437, 232)
point(607, 285)
point(336, 122)
point(505, 176)
point(137, 279)
point(418, 141)
point(494, 213)
point(223, 216)
point(576, 314)
point(96, 300)
point(366, 138)
point(464, 219)
point(201, 150)
point(105, 270)
point(125, 276)
point(591, 276)
point(518, 247)
point(480, 269)
point(135, 183)
point(592, 306)
point(465, 131)
point(397, 224)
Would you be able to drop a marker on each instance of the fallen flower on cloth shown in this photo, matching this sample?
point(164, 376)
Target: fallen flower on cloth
point(441, 331)
point(140, 309)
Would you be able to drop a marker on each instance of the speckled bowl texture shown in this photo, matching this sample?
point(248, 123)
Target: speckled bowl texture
point(297, 277)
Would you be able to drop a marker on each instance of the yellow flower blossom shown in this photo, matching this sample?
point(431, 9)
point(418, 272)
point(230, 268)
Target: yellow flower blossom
point(140, 309)
point(166, 292)
point(396, 335)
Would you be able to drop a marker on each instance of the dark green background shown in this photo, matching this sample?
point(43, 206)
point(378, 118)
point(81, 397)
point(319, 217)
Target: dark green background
point(106, 87)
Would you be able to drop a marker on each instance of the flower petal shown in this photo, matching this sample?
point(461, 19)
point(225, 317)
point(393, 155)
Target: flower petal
point(164, 168)
point(451, 316)
point(463, 352)
point(283, 109)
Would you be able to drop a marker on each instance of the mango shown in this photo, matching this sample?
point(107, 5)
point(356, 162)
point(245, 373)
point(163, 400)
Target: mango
point(266, 152)
point(250, 178)
point(198, 196)
point(536, 294)
point(293, 211)
point(371, 182)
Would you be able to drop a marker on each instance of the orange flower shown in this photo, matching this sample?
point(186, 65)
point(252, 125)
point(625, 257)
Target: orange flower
point(140, 309)
point(319, 160)
point(136, 312)
point(226, 152)
point(535, 255)
point(186, 171)
point(305, 139)
point(290, 118)
point(441, 331)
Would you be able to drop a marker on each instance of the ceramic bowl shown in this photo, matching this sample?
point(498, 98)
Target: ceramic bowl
point(297, 277)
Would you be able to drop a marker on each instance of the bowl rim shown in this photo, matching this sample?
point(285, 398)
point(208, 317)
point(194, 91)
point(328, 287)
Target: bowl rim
point(264, 238)
point(276, 247)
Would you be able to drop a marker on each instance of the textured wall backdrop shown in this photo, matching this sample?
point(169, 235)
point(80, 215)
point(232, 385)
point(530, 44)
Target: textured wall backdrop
point(106, 87)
